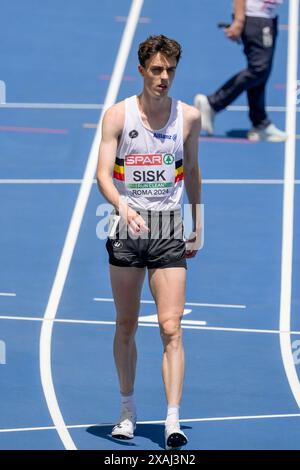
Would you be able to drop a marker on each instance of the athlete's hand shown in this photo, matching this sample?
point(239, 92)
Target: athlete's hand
point(235, 30)
point(136, 223)
point(193, 243)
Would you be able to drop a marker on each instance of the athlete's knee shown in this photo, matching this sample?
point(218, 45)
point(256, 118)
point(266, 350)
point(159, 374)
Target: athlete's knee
point(126, 327)
point(170, 330)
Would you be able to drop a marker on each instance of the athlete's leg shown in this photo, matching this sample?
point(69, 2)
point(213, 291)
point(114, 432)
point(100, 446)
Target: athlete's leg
point(168, 289)
point(126, 286)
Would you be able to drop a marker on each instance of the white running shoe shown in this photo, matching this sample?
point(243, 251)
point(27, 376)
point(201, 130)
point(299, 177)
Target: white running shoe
point(174, 437)
point(126, 426)
point(270, 134)
point(207, 113)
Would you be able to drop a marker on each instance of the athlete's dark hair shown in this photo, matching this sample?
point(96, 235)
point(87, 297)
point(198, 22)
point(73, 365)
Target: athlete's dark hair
point(161, 43)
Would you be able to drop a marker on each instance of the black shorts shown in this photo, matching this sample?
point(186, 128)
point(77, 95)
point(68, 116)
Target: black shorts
point(162, 247)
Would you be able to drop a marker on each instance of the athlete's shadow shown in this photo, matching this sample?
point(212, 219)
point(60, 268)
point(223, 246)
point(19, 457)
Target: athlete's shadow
point(153, 432)
point(230, 136)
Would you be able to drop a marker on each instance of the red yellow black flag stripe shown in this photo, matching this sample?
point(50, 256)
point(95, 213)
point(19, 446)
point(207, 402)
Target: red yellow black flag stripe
point(179, 175)
point(119, 169)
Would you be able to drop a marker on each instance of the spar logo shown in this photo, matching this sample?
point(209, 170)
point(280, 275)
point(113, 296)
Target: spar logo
point(144, 159)
point(149, 159)
point(168, 158)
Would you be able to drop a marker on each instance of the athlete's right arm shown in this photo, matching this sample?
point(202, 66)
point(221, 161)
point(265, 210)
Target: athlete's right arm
point(112, 126)
point(111, 130)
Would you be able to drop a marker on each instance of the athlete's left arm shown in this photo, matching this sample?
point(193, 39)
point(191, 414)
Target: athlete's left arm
point(192, 176)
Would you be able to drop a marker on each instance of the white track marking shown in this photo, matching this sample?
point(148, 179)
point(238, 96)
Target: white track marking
point(188, 324)
point(83, 106)
point(57, 320)
point(74, 227)
point(188, 420)
point(285, 27)
point(247, 181)
point(288, 203)
point(190, 304)
point(51, 106)
point(233, 330)
point(143, 19)
point(40, 181)
point(204, 181)
point(7, 294)
point(154, 319)
point(193, 322)
point(41, 428)
point(276, 109)
point(195, 304)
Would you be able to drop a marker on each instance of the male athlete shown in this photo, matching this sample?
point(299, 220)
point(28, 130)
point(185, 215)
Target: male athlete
point(149, 149)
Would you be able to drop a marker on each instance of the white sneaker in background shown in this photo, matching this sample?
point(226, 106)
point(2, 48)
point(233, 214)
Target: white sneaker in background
point(207, 113)
point(270, 134)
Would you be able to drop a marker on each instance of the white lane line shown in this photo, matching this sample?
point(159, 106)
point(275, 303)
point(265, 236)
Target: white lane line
point(154, 318)
point(143, 19)
point(57, 320)
point(204, 181)
point(187, 311)
point(51, 106)
point(7, 294)
point(278, 109)
point(147, 319)
point(288, 203)
point(74, 227)
point(190, 304)
point(83, 106)
point(233, 330)
point(40, 181)
point(247, 181)
point(188, 324)
point(195, 304)
point(285, 27)
point(41, 428)
point(182, 420)
point(227, 418)
point(192, 322)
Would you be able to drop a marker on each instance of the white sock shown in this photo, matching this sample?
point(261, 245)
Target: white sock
point(128, 404)
point(172, 416)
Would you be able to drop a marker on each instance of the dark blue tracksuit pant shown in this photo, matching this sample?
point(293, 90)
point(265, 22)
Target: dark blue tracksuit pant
point(259, 38)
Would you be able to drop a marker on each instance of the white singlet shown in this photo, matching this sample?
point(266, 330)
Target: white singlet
point(148, 171)
point(262, 8)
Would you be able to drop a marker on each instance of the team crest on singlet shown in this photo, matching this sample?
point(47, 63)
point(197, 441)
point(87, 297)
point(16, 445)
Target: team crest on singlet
point(133, 134)
point(151, 175)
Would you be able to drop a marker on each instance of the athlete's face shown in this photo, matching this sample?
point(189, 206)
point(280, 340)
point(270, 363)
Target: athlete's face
point(158, 74)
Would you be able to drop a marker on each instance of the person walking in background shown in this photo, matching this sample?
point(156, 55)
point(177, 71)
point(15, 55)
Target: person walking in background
point(255, 23)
